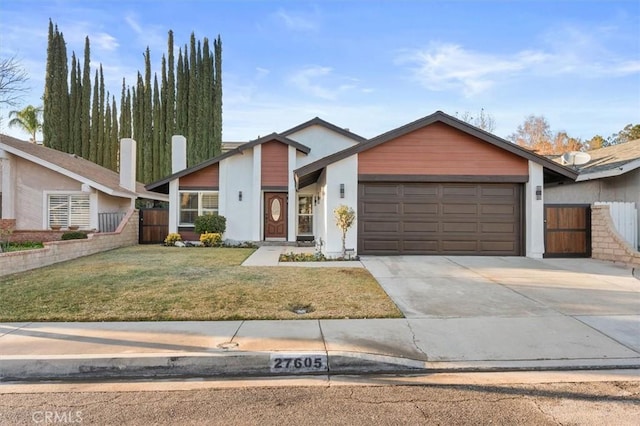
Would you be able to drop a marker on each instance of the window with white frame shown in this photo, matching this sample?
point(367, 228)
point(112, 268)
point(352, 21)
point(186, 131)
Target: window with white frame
point(65, 210)
point(197, 203)
point(305, 215)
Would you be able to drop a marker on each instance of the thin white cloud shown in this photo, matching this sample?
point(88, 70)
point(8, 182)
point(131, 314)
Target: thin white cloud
point(566, 51)
point(133, 23)
point(321, 82)
point(446, 66)
point(297, 21)
point(106, 41)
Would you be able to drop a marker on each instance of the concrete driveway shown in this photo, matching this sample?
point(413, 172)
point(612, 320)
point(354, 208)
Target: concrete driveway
point(514, 295)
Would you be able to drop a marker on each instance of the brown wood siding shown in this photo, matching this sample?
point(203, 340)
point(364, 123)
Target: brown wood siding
point(275, 164)
point(440, 150)
point(209, 177)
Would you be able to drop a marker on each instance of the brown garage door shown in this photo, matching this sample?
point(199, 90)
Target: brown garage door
point(439, 218)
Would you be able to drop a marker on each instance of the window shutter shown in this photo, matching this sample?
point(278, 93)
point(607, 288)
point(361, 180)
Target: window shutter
point(58, 210)
point(80, 211)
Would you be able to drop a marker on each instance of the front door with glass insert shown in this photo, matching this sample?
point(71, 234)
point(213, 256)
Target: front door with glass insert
point(275, 215)
point(305, 217)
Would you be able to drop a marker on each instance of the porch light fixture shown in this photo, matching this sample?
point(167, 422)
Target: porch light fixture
point(342, 190)
point(239, 195)
point(538, 192)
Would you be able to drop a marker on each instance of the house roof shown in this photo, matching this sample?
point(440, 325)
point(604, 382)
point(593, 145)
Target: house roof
point(74, 167)
point(553, 171)
point(611, 161)
point(320, 122)
point(162, 184)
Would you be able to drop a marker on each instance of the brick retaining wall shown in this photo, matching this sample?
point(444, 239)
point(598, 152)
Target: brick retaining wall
point(606, 243)
point(60, 251)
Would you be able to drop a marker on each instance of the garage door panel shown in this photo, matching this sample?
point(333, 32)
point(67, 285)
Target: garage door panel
point(439, 218)
point(419, 191)
point(459, 191)
point(384, 208)
point(419, 246)
point(419, 208)
point(459, 227)
point(420, 227)
point(378, 226)
point(465, 209)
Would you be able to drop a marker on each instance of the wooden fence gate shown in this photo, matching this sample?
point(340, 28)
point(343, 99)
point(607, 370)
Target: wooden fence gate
point(567, 230)
point(154, 226)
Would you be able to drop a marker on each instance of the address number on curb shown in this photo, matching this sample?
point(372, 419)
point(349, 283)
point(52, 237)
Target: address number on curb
point(297, 363)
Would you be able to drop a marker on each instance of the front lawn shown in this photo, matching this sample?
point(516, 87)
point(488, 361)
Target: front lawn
point(147, 283)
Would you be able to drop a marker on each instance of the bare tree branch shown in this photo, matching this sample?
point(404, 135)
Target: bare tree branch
point(13, 77)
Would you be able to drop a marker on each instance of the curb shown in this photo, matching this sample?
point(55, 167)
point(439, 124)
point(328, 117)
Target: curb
point(265, 364)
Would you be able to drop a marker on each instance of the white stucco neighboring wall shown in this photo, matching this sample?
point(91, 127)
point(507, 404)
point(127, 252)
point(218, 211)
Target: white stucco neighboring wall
point(534, 212)
point(256, 223)
point(343, 172)
point(7, 180)
point(236, 175)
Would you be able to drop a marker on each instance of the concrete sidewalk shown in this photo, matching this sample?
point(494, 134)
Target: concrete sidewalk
point(36, 351)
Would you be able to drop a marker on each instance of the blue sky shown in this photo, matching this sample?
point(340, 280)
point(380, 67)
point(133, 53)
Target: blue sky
point(369, 66)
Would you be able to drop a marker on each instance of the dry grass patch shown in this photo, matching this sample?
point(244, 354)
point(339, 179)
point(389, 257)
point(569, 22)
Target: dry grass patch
point(146, 283)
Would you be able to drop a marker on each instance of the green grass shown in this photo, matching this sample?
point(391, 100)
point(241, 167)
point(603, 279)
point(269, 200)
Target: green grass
point(21, 246)
point(147, 283)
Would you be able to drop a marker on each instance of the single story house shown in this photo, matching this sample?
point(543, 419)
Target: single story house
point(434, 186)
point(612, 174)
point(41, 188)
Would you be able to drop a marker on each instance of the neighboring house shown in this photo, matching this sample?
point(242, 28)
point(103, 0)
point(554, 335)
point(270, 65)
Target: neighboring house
point(41, 187)
point(434, 186)
point(611, 175)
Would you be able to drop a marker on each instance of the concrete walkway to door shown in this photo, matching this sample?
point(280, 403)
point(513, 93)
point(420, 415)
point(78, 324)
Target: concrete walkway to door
point(508, 307)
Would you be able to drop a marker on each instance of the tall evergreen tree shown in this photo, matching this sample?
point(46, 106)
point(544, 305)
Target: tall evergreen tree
point(193, 147)
point(49, 95)
point(115, 142)
point(162, 122)
point(85, 108)
point(156, 151)
point(147, 120)
point(181, 94)
point(100, 148)
point(75, 104)
point(217, 98)
point(170, 100)
point(106, 145)
point(93, 141)
point(56, 93)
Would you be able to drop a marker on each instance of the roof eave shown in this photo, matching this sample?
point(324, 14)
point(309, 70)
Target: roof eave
point(617, 171)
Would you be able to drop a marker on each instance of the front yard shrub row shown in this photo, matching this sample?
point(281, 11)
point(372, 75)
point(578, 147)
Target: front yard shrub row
point(74, 235)
point(210, 223)
point(211, 239)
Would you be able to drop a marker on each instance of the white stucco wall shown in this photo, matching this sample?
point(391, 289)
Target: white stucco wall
point(534, 212)
point(237, 174)
point(342, 172)
point(321, 141)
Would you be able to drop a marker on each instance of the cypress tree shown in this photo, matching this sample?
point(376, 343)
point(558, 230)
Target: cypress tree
point(170, 100)
point(74, 106)
point(93, 141)
point(217, 98)
point(181, 127)
point(85, 108)
point(162, 122)
point(115, 142)
point(207, 97)
point(192, 106)
point(106, 154)
point(47, 110)
point(147, 121)
point(100, 121)
point(61, 135)
point(156, 152)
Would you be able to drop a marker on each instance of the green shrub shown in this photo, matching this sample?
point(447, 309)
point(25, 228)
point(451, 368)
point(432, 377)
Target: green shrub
point(210, 223)
point(210, 239)
point(74, 235)
point(172, 239)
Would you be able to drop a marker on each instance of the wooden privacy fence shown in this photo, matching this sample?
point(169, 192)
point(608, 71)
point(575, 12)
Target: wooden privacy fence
point(567, 230)
point(625, 219)
point(108, 222)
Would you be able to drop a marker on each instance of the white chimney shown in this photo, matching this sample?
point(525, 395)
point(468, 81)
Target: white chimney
point(178, 153)
point(128, 164)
